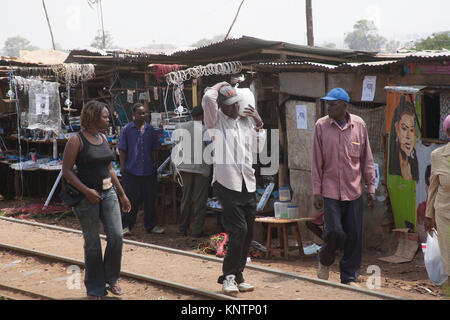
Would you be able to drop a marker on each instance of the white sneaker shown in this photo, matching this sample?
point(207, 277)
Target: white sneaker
point(353, 284)
point(126, 231)
point(323, 272)
point(157, 230)
point(230, 285)
point(245, 287)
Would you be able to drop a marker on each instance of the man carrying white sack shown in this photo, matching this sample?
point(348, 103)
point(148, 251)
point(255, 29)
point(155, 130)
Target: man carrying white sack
point(235, 138)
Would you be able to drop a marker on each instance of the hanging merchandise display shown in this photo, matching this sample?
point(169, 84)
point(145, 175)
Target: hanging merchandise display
point(223, 68)
point(72, 74)
point(177, 78)
point(44, 109)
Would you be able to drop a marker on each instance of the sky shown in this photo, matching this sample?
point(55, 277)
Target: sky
point(138, 23)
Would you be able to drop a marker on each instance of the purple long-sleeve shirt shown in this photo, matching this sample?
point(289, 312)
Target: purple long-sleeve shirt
point(341, 157)
point(138, 146)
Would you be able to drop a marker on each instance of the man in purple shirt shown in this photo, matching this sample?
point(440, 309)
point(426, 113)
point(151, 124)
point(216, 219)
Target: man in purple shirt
point(341, 157)
point(137, 141)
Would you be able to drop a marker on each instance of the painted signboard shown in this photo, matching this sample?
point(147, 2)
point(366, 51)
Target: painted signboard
point(402, 165)
point(408, 160)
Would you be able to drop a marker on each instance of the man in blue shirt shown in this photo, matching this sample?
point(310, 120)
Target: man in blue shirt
point(137, 141)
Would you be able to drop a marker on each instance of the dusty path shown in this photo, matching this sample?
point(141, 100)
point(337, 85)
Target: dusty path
point(190, 271)
point(64, 281)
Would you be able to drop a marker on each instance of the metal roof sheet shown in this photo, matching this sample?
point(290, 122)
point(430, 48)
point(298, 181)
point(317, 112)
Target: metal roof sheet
point(246, 49)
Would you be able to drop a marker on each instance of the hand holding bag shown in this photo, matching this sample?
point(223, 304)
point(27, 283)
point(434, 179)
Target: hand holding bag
point(71, 195)
point(433, 262)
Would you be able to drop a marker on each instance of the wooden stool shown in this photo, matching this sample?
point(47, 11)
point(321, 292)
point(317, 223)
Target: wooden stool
point(282, 227)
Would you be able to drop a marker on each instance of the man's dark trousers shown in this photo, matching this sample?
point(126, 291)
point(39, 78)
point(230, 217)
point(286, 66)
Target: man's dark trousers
point(194, 200)
point(140, 189)
point(238, 217)
point(343, 224)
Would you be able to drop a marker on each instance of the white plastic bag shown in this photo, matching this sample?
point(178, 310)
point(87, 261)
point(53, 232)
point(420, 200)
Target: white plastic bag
point(433, 262)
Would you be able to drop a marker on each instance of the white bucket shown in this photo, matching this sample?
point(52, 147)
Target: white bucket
point(281, 209)
point(293, 212)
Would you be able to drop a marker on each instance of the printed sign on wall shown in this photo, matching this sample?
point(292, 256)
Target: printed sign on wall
point(42, 104)
point(302, 118)
point(369, 88)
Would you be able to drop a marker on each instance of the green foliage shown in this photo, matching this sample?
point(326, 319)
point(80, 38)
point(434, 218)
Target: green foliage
point(160, 46)
point(98, 40)
point(365, 37)
point(329, 45)
point(392, 46)
point(437, 41)
point(13, 45)
point(205, 42)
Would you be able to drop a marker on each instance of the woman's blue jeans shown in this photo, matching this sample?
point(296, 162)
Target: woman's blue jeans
point(101, 270)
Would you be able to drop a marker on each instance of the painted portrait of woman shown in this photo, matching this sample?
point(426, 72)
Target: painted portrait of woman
point(402, 152)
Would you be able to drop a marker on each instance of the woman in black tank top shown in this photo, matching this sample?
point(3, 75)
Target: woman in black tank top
point(97, 180)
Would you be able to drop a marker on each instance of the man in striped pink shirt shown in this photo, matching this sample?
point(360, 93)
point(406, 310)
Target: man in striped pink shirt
point(341, 158)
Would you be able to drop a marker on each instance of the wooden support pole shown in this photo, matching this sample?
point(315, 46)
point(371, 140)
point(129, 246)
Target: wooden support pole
point(49, 26)
point(309, 23)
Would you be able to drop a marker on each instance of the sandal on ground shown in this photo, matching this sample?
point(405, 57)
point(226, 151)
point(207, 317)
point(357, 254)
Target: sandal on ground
point(91, 297)
point(114, 289)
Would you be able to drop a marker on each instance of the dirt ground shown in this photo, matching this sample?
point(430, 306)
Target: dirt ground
point(408, 280)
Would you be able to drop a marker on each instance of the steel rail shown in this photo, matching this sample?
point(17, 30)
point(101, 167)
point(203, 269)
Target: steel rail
point(23, 292)
point(165, 283)
point(220, 260)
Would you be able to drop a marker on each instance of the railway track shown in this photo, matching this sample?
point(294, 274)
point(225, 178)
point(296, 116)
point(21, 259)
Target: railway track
point(168, 256)
point(14, 293)
point(44, 272)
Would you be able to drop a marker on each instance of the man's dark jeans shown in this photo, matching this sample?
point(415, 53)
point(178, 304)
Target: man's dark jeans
point(238, 217)
point(140, 190)
point(343, 225)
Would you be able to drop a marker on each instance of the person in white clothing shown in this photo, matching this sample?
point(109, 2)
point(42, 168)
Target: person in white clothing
point(235, 138)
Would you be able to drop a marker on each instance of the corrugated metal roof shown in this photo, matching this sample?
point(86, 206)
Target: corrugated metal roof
point(427, 54)
point(404, 89)
point(293, 64)
point(313, 66)
point(369, 64)
point(245, 49)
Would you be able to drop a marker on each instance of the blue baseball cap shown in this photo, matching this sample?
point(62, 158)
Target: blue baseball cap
point(337, 94)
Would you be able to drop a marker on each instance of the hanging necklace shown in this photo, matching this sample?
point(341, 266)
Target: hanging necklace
point(95, 135)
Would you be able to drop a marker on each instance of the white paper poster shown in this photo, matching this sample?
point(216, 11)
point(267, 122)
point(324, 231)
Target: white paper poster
point(369, 87)
point(302, 118)
point(42, 104)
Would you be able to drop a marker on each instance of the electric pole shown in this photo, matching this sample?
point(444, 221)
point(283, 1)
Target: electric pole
point(309, 23)
point(49, 26)
point(229, 30)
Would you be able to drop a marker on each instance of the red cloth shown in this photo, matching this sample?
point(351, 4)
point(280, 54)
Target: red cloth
point(160, 70)
point(421, 213)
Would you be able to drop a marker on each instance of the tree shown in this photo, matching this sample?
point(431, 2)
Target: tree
point(392, 46)
point(329, 45)
point(13, 45)
point(160, 46)
point(98, 40)
point(437, 41)
point(365, 37)
point(204, 42)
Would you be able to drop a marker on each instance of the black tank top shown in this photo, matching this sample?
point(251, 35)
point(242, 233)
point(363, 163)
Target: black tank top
point(93, 163)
